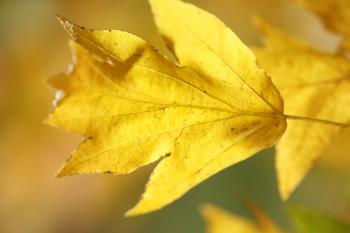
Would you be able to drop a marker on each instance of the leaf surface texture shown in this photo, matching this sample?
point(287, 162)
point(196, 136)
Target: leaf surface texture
point(135, 107)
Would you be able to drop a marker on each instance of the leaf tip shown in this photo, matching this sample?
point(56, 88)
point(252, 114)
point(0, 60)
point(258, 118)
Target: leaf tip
point(61, 18)
point(133, 212)
point(63, 21)
point(61, 173)
point(285, 194)
point(139, 209)
point(66, 170)
point(67, 25)
point(144, 206)
point(57, 175)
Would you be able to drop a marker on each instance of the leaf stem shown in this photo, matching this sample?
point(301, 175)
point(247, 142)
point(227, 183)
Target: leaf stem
point(327, 122)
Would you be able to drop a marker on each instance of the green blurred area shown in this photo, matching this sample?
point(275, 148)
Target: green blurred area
point(34, 47)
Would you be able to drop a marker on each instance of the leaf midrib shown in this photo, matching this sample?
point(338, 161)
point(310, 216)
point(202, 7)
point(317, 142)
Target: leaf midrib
point(147, 137)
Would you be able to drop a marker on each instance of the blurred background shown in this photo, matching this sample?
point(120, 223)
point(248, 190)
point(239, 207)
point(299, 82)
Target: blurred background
point(33, 47)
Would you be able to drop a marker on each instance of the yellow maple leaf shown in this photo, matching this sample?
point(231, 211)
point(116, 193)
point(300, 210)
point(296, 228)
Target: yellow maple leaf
point(313, 85)
point(136, 107)
point(335, 14)
point(221, 221)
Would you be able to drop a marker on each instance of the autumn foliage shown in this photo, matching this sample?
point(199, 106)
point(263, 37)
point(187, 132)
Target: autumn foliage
point(215, 102)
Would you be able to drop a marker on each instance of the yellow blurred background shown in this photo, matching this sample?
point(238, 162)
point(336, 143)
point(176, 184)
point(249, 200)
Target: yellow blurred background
point(33, 47)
